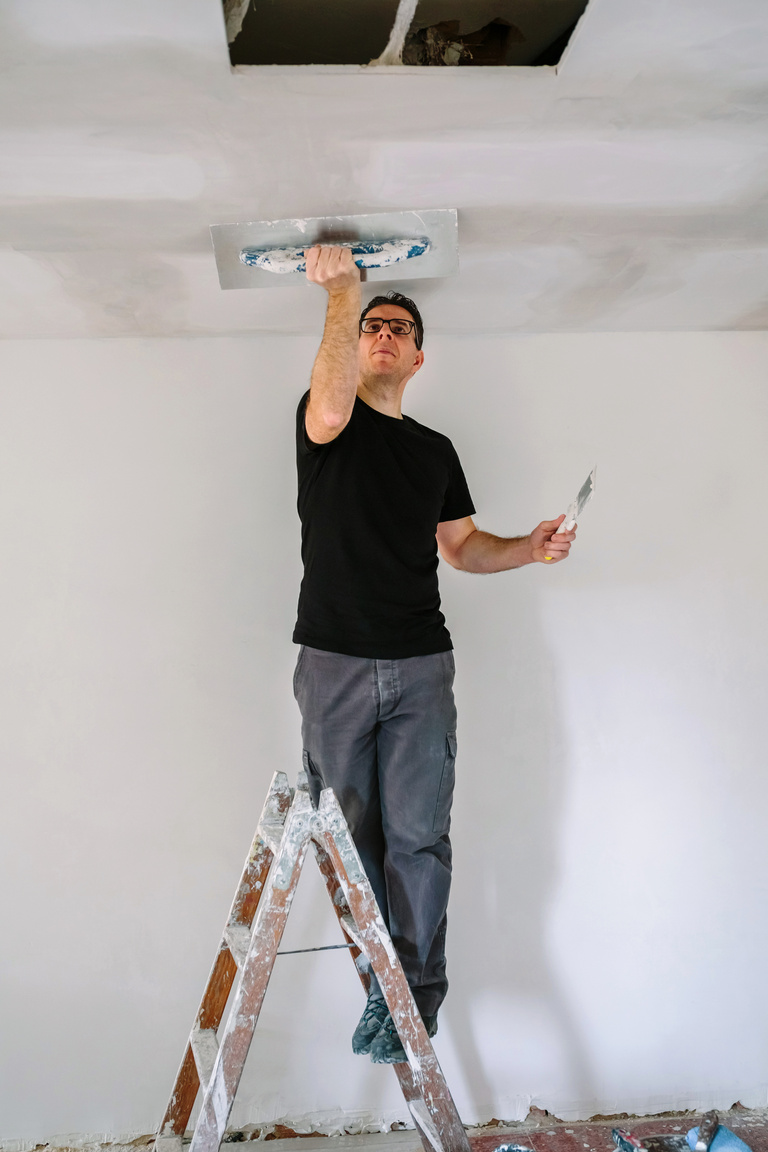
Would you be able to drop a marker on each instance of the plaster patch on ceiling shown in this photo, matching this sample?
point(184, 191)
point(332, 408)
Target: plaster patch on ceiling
point(127, 293)
point(75, 164)
point(33, 300)
point(77, 22)
point(705, 280)
point(649, 168)
point(754, 319)
point(706, 40)
point(610, 278)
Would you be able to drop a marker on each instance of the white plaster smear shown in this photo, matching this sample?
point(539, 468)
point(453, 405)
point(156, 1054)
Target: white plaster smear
point(655, 169)
point(77, 164)
point(74, 24)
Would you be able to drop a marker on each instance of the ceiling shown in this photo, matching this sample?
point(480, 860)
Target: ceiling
point(625, 190)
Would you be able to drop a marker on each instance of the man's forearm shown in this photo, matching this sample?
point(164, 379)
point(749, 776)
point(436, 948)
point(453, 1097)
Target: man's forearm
point(335, 374)
point(483, 552)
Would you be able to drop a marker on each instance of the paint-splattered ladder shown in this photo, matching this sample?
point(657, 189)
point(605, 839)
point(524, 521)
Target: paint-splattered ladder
point(249, 944)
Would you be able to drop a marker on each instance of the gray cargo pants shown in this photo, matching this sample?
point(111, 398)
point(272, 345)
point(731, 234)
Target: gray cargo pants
point(382, 734)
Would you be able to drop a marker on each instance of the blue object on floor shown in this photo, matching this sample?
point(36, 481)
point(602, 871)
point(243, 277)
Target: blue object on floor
point(724, 1141)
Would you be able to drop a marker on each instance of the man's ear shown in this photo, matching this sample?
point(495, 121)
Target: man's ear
point(418, 361)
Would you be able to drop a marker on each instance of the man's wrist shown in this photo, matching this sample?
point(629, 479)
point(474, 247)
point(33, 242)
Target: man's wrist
point(524, 551)
point(350, 291)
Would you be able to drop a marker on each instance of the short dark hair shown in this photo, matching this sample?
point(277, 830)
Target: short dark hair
point(401, 302)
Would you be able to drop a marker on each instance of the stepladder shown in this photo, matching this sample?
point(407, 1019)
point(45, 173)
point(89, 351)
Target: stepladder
point(217, 1050)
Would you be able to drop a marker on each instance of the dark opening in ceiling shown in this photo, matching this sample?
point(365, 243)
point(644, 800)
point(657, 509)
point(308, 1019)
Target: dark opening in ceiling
point(443, 33)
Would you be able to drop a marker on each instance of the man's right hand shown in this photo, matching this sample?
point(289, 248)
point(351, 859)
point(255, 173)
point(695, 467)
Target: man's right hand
point(332, 268)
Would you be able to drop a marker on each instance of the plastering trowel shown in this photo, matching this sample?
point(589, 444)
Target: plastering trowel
point(389, 245)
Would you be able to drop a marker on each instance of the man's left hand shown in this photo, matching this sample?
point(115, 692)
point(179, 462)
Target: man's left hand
point(548, 548)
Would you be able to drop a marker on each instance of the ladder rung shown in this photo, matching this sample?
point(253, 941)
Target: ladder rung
point(205, 1049)
point(238, 939)
point(350, 928)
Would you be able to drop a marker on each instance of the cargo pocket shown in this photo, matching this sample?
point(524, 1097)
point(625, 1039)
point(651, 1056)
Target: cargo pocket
point(310, 769)
point(442, 822)
point(314, 779)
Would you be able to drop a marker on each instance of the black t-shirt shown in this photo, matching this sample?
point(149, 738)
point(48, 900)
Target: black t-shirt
point(370, 502)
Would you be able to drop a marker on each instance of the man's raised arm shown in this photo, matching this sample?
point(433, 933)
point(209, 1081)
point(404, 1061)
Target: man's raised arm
point(335, 374)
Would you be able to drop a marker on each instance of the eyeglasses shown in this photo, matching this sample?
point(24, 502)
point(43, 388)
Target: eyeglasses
point(397, 327)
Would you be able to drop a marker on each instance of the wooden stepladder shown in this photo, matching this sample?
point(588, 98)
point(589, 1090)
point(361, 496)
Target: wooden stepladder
point(252, 934)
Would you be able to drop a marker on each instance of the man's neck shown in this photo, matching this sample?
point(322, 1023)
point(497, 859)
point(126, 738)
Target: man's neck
point(386, 400)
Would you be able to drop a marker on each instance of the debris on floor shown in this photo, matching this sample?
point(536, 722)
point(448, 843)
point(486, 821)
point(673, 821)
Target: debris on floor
point(710, 1134)
point(550, 1134)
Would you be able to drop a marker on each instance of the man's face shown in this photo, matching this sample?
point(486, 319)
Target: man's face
point(384, 355)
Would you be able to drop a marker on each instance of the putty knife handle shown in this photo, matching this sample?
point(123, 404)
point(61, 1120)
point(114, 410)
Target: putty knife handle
point(570, 520)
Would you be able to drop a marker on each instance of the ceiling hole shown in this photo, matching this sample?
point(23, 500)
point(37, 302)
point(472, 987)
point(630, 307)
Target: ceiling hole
point(443, 33)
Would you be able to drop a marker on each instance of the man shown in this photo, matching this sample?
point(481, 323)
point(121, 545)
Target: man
point(378, 495)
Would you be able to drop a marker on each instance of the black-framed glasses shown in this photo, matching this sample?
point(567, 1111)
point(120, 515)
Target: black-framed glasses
point(398, 327)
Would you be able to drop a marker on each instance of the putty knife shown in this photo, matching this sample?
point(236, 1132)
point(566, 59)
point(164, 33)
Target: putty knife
point(390, 245)
point(576, 508)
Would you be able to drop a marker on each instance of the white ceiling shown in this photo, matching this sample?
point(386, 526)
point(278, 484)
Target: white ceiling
point(627, 190)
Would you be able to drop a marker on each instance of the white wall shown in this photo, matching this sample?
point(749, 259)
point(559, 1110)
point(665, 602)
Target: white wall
point(609, 933)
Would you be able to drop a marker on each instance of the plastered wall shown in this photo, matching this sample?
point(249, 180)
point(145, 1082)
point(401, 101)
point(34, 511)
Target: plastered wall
point(608, 930)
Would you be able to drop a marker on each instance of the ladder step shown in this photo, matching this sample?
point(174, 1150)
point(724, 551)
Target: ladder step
point(350, 928)
point(205, 1049)
point(238, 939)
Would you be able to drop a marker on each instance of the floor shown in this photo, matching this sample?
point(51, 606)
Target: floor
point(751, 1125)
point(540, 1132)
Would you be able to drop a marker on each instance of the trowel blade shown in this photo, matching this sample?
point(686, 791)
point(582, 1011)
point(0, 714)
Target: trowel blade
point(439, 224)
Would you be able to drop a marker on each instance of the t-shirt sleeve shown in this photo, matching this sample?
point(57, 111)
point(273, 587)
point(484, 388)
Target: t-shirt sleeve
point(305, 446)
point(457, 502)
